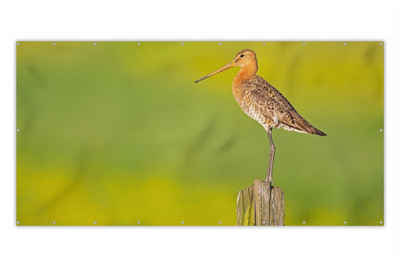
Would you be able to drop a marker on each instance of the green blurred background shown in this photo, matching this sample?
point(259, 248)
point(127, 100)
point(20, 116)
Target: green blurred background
point(117, 133)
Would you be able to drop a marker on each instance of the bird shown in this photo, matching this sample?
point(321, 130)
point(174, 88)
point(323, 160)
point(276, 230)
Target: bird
point(263, 102)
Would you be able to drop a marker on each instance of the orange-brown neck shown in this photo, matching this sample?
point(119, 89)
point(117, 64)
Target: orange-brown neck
point(245, 73)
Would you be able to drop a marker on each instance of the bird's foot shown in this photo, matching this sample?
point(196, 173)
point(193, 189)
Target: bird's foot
point(269, 181)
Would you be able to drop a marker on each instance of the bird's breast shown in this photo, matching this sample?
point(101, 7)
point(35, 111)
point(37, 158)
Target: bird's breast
point(251, 109)
point(237, 92)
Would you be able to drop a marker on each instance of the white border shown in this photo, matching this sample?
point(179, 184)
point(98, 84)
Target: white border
point(198, 20)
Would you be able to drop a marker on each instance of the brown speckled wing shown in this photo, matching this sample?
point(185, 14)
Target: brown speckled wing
point(276, 109)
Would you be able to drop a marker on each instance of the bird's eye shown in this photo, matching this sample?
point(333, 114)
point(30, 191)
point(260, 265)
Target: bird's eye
point(241, 55)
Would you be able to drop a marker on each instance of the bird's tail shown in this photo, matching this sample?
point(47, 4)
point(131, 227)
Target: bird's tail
point(313, 130)
point(298, 123)
point(307, 127)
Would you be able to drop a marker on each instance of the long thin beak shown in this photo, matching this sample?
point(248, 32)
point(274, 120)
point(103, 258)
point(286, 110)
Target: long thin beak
point(227, 66)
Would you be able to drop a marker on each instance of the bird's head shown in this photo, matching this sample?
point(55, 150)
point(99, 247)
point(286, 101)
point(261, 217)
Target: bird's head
point(243, 59)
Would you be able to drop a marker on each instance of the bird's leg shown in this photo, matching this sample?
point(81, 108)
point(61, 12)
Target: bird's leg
point(271, 156)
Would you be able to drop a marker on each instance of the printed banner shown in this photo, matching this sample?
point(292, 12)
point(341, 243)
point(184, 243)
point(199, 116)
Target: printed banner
point(199, 133)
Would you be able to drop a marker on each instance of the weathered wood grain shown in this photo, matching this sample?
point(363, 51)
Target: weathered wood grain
point(260, 204)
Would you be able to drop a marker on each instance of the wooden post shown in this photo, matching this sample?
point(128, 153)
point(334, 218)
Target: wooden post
point(260, 204)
